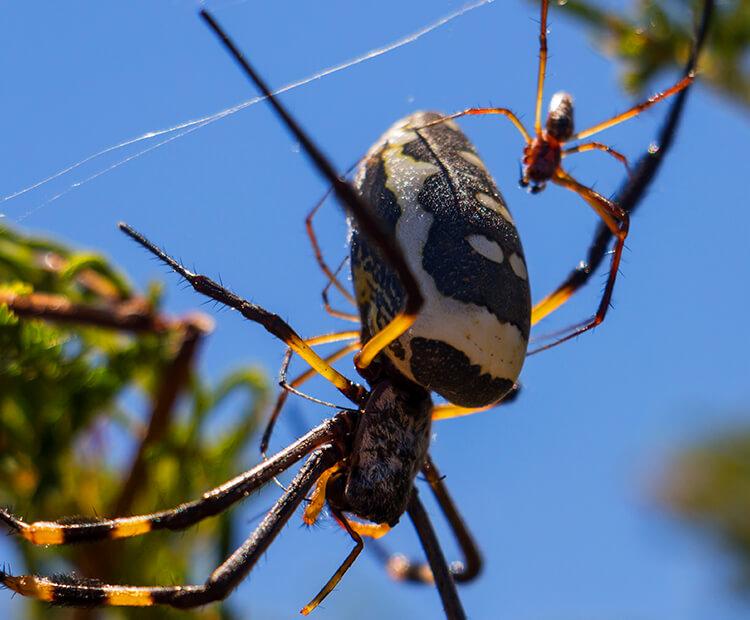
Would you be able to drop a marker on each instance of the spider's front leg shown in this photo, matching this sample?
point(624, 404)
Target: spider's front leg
point(273, 323)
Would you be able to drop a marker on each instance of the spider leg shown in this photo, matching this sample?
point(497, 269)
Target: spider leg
point(332, 277)
point(590, 146)
point(447, 410)
point(271, 322)
point(68, 590)
point(542, 69)
point(350, 198)
point(403, 569)
point(634, 188)
point(476, 111)
point(443, 578)
point(345, 565)
point(339, 314)
point(213, 502)
point(637, 109)
point(288, 387)
point(617, 221)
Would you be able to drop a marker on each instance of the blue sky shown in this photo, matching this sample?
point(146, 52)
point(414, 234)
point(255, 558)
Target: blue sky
point(555, 487)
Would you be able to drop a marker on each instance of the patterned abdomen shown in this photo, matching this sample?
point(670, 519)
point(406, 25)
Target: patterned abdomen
point(432, 190)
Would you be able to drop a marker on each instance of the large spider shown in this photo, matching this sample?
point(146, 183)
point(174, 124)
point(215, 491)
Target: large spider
point(423, 178)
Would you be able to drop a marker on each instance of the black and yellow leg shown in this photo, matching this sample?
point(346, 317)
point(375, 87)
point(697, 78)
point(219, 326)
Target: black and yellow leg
point(334, 580)
point(368, 221)
point(618, 222)
point(69, 590)
point(292, 387)
point(271, 322)
point(441, 573)
point(213, 502)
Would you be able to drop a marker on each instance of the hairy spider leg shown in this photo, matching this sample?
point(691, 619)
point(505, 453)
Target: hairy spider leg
point(354, 203)
point(271, 322)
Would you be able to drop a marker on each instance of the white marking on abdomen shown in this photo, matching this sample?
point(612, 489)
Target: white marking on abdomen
point(486, 247)
point(489, 202)
point(518, 265)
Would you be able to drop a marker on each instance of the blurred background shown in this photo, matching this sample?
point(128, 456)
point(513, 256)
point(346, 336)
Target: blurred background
point(615, 486)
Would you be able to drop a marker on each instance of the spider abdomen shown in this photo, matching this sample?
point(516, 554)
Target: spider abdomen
point(433, 192)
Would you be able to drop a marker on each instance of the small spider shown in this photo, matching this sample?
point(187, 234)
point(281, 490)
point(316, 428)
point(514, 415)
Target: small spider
point(542, 162)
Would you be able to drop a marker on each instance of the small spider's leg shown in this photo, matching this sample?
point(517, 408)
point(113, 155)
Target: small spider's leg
point(272, 322)
point(211, 503)
point(637, 109)
point(354, 318)
point(345, 566)
point(618, 222)
point(284, 394)
point(443, 578)
point(69, 590)
point(472, 111)
point(403, 569)
point(542, 69)
point(447, 410)
point(332, 279)
point(370, 224)
point(590, 146)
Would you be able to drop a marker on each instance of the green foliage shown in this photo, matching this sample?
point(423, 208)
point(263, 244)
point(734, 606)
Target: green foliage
point(657, 35)
point(709, 486)
point(71, 389)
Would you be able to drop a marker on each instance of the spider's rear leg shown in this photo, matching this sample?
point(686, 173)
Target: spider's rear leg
point(441, 573)
point(213, 502)
point(68, 590)
point(404, 569)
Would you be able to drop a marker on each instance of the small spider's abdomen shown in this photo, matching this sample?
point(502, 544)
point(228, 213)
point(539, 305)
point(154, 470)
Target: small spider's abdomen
point(432, 190)
point(560, 119)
